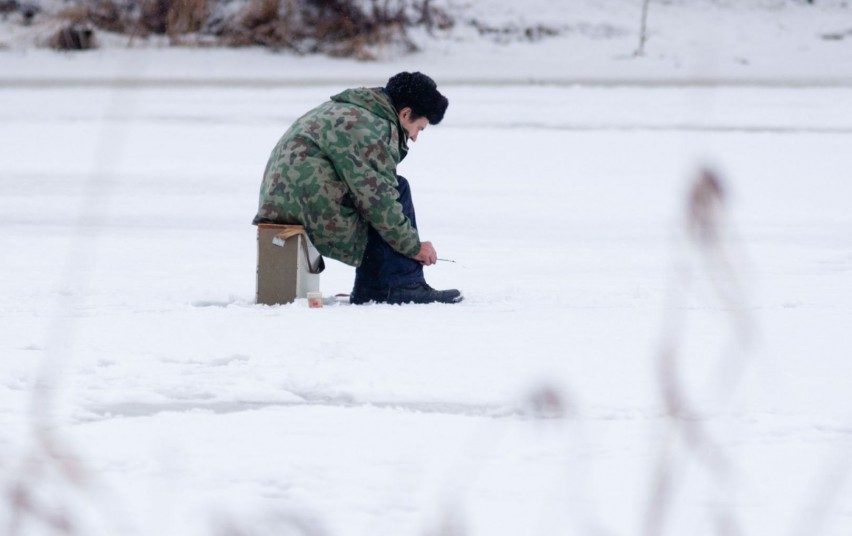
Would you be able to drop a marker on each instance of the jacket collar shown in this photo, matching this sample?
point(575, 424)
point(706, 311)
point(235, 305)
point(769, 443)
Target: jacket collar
point(378, 102)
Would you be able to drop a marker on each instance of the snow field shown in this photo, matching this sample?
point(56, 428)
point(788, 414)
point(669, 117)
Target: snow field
point(129, 260)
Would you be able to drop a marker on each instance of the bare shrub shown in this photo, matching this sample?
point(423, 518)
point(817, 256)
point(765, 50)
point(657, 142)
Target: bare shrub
point(74, 36)
point(260, 23)
point(260, 12)
point(347, 28)
point(77, 14)
point(185, 16)
point(28, 12)
point(153, 16)
point(171, 17)
point(108, 15)
point(431, 17)
point(334, 27)
point(8, 6)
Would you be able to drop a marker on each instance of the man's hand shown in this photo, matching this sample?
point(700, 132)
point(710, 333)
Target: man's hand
point(427, 255)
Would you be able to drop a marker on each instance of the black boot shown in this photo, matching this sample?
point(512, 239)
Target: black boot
point(414, 293)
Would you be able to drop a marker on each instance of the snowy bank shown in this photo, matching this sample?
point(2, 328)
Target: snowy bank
point(705, 42)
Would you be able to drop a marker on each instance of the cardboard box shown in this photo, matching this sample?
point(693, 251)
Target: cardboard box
point(288, 265)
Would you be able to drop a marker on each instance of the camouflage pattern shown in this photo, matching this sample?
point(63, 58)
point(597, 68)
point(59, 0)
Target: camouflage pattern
point(334, 171)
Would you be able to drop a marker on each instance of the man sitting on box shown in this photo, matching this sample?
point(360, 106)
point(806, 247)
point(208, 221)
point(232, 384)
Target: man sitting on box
point(334, 172)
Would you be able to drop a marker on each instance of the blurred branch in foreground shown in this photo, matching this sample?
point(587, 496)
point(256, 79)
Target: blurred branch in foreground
point(706, 253)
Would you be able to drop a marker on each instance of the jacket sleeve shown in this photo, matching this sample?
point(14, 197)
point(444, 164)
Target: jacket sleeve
point(368, 169)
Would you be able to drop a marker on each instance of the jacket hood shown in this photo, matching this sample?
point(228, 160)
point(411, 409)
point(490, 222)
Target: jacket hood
point(377, 102)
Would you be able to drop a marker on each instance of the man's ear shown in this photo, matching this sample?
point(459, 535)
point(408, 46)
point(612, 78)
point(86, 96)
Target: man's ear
point(405, 113)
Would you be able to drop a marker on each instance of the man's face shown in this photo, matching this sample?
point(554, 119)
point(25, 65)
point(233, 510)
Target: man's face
point(412, 127)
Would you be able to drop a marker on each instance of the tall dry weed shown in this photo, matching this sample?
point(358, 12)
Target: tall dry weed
point(185, 16)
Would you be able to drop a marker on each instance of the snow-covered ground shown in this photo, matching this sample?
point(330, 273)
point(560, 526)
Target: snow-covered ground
point(128, 264)
point(128, 180)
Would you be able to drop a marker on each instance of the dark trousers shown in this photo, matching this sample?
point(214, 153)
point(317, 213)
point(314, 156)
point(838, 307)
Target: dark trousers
point(382, 266)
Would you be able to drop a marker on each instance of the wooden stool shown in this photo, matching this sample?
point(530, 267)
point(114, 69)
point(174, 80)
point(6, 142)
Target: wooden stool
point(288, 265)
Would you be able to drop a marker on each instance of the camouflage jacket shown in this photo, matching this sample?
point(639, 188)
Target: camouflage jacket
point(334, 171)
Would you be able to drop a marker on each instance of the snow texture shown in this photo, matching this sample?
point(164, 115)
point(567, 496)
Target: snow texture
point(533, 407)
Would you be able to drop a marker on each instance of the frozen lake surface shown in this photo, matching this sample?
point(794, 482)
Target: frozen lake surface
point(128, 265)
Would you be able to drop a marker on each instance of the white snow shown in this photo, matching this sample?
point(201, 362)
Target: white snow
point(128, 265)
